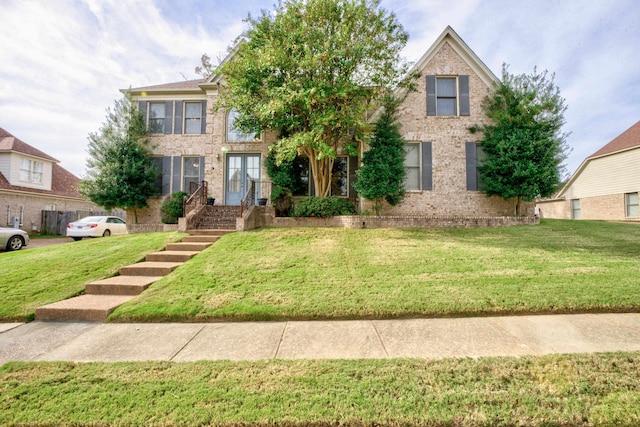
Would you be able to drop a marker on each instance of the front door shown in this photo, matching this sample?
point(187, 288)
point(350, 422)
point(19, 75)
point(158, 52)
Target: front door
point(241, 169)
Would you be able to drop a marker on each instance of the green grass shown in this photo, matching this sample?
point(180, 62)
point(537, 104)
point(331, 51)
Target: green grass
point(31, 278)
point(331, 273)
point(576, 390)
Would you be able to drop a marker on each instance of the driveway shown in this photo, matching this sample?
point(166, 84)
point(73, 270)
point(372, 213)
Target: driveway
point(38, 243)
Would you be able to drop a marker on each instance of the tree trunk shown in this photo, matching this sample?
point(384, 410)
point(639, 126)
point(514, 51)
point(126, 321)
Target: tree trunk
point(321, 172)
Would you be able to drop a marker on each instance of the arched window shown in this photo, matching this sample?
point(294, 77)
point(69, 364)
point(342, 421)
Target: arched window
point(234, 135)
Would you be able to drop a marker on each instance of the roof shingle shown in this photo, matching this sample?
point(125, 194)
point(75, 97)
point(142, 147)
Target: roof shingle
point(627, 139)
point(10, 143)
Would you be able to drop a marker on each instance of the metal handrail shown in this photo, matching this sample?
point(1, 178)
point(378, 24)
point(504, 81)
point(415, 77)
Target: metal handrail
point(197, 198)
point(249, 198)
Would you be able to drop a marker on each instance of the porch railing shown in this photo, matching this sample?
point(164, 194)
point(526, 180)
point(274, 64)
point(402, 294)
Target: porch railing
point(196, 199)
point(257, 190)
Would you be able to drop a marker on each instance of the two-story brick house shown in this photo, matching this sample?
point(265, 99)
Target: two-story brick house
point(194, 143)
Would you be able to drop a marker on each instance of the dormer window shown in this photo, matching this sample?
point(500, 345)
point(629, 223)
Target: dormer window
point(31, 171)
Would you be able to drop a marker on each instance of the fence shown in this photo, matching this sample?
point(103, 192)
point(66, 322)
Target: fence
point(55, 222)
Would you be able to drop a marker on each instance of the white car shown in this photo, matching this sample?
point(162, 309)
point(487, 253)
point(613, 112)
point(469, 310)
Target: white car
point(13, 239)
point(96, 226)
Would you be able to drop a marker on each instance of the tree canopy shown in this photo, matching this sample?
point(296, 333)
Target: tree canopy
point(119, 168)
point(310, 70)
point(523, 144)
point(381, 176)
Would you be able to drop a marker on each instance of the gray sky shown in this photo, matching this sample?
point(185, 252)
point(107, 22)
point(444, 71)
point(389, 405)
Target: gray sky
point(62, 62)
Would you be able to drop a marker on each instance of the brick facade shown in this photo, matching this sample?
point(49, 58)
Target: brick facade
point(448, 197)
point(30, 207)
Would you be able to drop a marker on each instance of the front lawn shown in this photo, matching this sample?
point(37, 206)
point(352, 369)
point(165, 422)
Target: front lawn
point(575, 390)
point(334, 273)
point(34, 277)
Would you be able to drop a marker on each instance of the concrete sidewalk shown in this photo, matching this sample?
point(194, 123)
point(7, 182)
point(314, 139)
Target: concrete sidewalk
point(420, 338)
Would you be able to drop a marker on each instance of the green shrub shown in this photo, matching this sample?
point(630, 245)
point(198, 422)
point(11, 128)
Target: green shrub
point(323, 207)
point(172, 208)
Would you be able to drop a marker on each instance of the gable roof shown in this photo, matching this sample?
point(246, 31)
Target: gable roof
point(63, 182)
point(182, 86)
point(9, 143)
point(461, 48)
point(627, 140)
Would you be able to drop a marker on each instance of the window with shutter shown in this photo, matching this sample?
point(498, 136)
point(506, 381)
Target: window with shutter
point(412, 166)
point(156, 117)
point(192, 117)
point(448, 95)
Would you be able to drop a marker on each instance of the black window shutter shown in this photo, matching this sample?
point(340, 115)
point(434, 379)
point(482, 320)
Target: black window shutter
point(177, 127)
point(168, 116)
point(142, 106)
point(472, 182)
point(427, 166)
point(354, 162)
point(203, 118)
point(177, 173)
point(431, 95)
point(465, 107)
point(201, 169)
point(166, 175)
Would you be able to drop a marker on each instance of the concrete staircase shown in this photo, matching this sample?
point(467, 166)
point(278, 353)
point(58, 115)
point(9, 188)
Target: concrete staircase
point(103, 296)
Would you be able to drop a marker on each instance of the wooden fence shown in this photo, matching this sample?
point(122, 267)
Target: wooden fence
point(55, 222)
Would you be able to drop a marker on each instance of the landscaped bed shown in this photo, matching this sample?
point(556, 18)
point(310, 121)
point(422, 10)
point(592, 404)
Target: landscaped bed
point(332, 273)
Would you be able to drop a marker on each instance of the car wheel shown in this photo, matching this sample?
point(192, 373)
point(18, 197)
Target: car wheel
point(106, 233)
point(15, 243)
point(77, 238)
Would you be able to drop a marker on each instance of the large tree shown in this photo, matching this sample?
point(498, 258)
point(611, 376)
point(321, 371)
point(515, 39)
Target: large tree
point(310, 70)
point(523, 142)
point(382, 174)
point(120, 173)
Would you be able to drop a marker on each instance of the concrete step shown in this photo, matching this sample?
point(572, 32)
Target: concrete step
point(209, 232)
point(149, 268)
point(172, 256)
point(93, 308)
point(199, 239)
point(121, 285)
point(194, 246)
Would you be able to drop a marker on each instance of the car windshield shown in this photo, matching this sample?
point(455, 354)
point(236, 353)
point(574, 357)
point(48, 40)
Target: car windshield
point(91, 219)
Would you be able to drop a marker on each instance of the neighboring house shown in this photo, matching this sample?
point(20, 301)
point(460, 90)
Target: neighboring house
point(605, 186)
point(31, 182)
point(194, 143)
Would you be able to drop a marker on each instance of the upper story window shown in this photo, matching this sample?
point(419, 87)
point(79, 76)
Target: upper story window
point(156, 117)
point(193, 117)
point(448, 95)
point(175, 117)
point(234, 135)
point(31, 171)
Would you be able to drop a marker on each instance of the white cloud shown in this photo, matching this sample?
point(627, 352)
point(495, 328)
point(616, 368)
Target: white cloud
point(63, 61)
